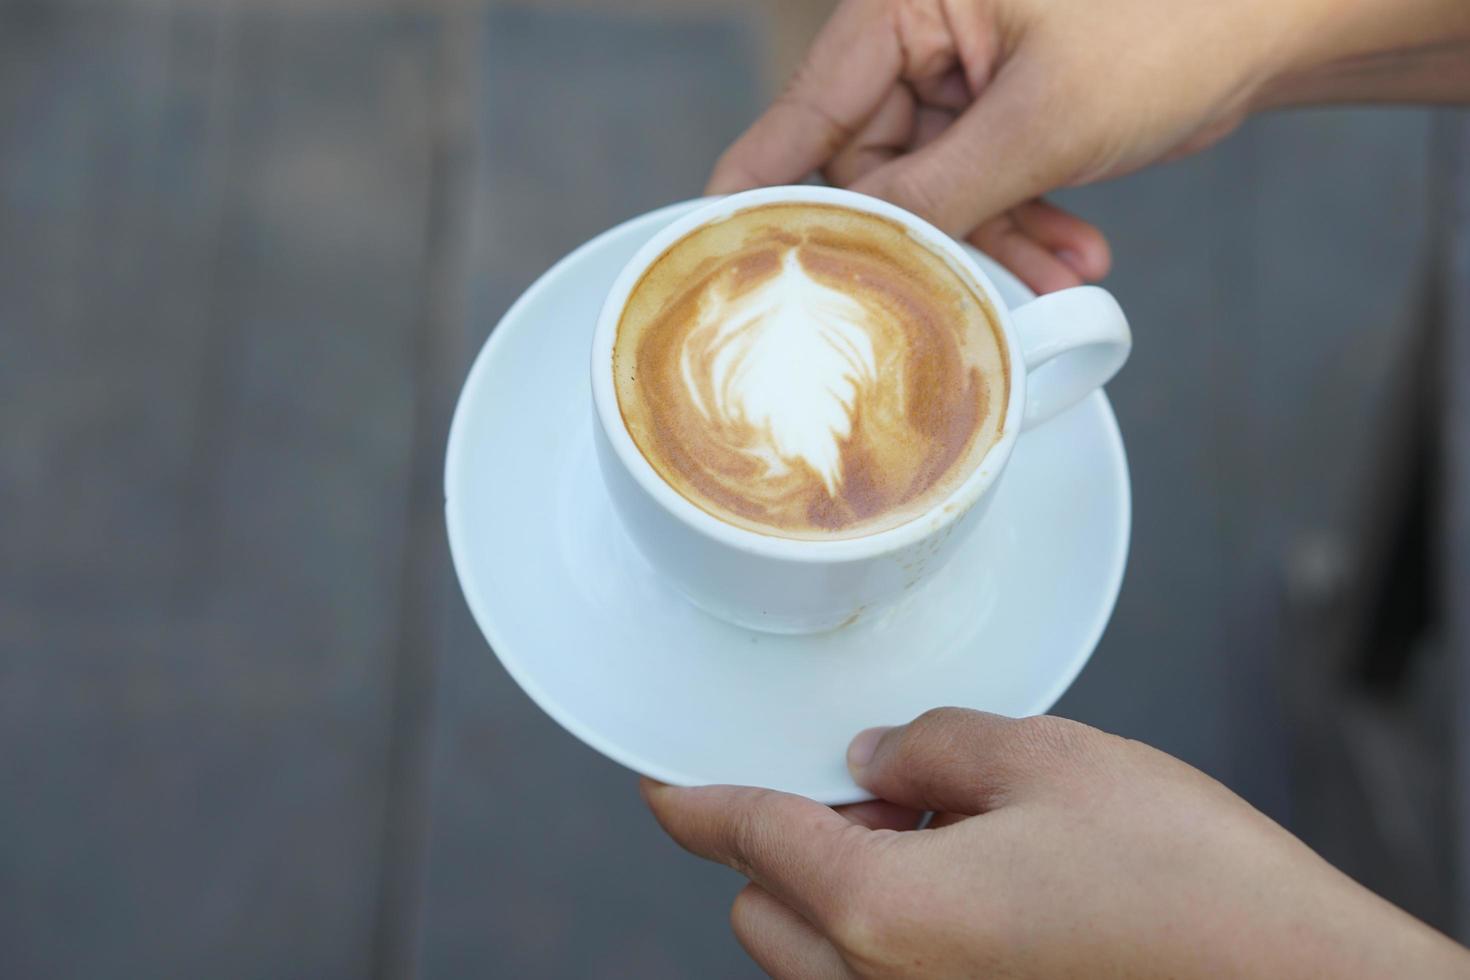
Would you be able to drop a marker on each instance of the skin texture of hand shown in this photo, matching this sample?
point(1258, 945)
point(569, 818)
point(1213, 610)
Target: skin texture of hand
point(966, 111)
point(1058, 851)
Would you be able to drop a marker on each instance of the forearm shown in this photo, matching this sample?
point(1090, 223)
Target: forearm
point(1376, 939)
point(1376, 51)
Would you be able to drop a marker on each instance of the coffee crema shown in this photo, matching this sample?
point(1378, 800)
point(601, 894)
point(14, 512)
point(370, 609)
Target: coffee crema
point(809, 371)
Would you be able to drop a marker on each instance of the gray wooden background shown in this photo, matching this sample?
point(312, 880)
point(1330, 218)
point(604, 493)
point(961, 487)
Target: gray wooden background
point(247, 727)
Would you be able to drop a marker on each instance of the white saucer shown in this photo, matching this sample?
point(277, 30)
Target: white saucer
point(630, 668)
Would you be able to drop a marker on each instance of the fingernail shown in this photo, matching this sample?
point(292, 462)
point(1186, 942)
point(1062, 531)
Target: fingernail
point(860, 752)
point(1073, 259)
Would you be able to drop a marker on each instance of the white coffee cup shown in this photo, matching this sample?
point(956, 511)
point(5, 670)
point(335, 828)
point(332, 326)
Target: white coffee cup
point(1061, 347)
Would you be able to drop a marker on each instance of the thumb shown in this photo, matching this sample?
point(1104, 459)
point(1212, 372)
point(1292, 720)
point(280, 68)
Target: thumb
point(996, 155)
point(954, 760)
point(796, 849)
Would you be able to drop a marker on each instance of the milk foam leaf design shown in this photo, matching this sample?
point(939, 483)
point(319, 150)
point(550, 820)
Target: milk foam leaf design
point(780, 367)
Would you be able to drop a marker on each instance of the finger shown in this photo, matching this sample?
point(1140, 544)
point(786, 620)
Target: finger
point(1078, 243)
point(798, 850)
point(852, 64)
point(966, 762)
point(899, 126)
point(780, 941)
point(948, 91)
point(992, 158)
point(929, 122)
point(881, 815)
point(1038, 267)
point(886, 134)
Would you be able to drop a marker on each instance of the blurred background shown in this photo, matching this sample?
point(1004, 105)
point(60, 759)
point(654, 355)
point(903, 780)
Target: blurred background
point(247, 727)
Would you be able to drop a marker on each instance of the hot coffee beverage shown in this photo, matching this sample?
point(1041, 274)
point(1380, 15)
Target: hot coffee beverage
point(810, 371)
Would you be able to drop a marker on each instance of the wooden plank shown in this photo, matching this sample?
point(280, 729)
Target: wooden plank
point(1454, 283)
point(1320, 378)
point(71, 142)
point(211, 267)
point(441, 355)
point(1339, 374)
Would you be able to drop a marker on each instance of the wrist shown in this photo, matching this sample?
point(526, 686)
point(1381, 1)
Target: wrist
point(1357, 934)
point(1371, 51)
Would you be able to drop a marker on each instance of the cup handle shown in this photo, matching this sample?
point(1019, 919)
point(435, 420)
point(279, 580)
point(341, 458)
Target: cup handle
point(1073, 342)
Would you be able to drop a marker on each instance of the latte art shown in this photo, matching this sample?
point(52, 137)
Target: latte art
point(809, 371)
point(780, 370)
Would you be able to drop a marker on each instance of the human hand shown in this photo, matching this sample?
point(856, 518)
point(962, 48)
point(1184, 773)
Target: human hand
point(965, 111)
point(1058, 851)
